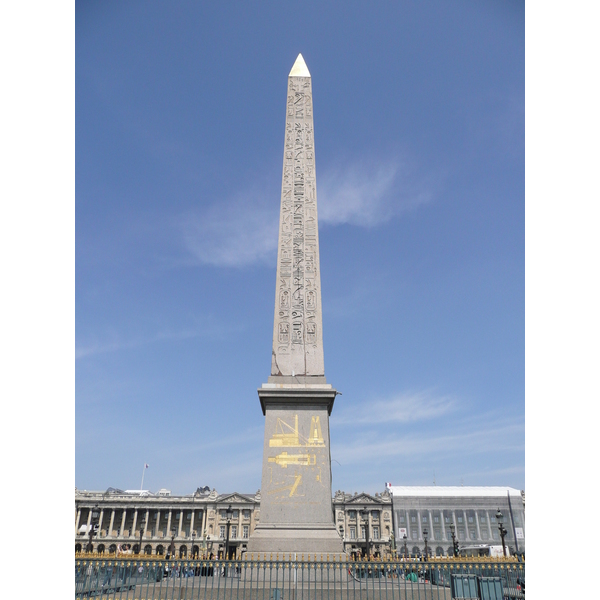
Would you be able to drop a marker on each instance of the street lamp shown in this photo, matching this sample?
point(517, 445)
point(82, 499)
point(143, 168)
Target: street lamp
point(405, 538)
point(503, 532)
point(229, 513)
point(454, 540)
point(93, 525)
point(364, 513)
point(425, 532)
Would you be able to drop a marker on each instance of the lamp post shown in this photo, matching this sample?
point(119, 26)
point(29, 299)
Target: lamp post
point(172, 547)
point(93, 525)
point(364, 513)
point(229, 513)
point(503, 532)
point(405, 538)
point(454, 540)
point(425, 532)
point(193, 540)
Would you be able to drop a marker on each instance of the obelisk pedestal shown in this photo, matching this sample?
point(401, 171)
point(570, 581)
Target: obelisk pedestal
point(296, 512)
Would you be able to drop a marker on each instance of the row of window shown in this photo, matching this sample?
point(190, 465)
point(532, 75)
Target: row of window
point(233, 532)
point(448, 517)
point(461, 534)
point(374, 514)
point(235, 514)
point(177, 514)
point(374, 532)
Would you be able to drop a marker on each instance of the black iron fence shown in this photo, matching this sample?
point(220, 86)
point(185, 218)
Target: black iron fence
point(146, 578)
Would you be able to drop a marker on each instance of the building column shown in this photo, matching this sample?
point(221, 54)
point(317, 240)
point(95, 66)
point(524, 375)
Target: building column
point(100, 521)
point(180, 522)
point(489, 526)
point(123, 522)
point(112, 520)
point(477, 522)
point(77, 520)
point(455, 520)
point(203, 548)
point(157, 522)
point(443, 519)
point(146, 525)
point(169, 523)
point(192, 524)
point(431, 533)
point(419, 528)
point(87, 529)
point(132, 532)
point(203, 522)
point(455, 523)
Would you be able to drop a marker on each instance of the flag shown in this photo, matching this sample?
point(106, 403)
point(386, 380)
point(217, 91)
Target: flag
point(388, 485)
point(146, 466)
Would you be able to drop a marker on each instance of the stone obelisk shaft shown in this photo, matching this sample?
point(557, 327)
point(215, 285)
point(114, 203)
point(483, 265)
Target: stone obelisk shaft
point(298, 329)
point(296, 513)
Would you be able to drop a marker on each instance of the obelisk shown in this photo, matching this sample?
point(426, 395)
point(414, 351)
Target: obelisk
point(296, 513)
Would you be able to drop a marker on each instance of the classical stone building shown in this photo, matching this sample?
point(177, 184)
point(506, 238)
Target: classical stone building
point(363, 519)
point(429, 511)
point(195, 524)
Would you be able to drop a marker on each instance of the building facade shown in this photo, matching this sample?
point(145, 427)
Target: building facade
point(192, 525)
point(364, 521)
point(429, 512)
point(399, 518)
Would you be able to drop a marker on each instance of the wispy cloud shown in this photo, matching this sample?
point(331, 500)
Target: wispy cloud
point(208, 328)
point(243, 230)
point(491, 438)
point(404, 407)
point(367, 194)
point(236, 233)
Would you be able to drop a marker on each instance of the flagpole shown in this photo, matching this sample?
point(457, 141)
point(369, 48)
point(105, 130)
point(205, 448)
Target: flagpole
point(143, 473)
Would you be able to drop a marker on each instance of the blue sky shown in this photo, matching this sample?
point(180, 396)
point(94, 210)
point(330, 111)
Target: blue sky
point(419, 137)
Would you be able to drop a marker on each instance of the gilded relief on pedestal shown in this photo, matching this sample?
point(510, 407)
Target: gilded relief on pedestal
point(306, 465)
point(289, 437)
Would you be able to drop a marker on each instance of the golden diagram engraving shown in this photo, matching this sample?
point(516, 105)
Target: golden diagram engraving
point(293, 487)
point(288, 436)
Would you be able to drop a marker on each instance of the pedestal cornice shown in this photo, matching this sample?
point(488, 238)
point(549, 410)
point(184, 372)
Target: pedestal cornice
point(290, 395)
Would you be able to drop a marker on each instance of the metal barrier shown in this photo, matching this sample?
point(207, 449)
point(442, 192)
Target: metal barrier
point(154, 578)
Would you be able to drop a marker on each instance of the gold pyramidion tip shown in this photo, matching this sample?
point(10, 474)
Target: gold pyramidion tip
point(299, 69)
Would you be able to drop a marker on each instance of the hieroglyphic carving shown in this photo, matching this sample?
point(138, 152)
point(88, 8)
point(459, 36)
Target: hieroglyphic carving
point(297, 311)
